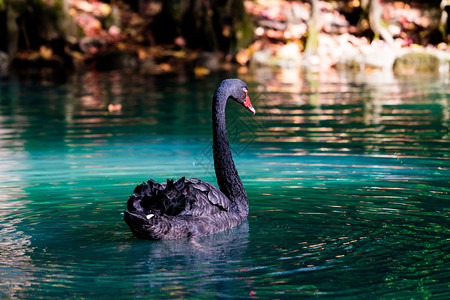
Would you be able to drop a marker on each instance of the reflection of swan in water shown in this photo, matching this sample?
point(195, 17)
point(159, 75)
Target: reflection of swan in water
point(182, 268)
point(192, 207)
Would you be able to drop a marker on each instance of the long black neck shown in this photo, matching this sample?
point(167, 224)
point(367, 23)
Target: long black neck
point(227, 176)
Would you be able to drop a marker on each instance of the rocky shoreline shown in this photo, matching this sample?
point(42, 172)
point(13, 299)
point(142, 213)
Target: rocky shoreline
point(111, 40)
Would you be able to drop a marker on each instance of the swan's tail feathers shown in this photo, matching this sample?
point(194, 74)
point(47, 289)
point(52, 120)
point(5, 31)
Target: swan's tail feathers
point(171, 198)
point(178, 185)
point(152, 204)
point(138, 201)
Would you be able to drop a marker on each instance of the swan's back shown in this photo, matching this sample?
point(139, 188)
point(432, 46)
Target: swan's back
point(195, 206)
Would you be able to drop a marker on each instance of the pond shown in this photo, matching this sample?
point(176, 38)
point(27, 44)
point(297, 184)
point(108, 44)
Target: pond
point(347, 176)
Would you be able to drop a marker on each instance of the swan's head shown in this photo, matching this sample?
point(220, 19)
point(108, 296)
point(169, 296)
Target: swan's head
point(238, 91)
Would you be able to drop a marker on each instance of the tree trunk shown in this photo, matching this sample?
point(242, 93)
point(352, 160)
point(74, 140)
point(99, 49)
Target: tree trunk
point(373, 10)
point(445, 20)
point(312, 41)
point(216, 25)
point(12, 34)
point(241, 25)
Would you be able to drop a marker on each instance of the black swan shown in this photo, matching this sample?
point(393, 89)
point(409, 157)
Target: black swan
point(192, 207)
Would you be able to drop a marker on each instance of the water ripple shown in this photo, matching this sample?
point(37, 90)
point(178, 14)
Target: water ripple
point(347, 181)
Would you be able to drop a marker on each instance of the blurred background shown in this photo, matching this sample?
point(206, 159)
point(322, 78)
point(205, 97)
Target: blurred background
point(204, 35)
point(345, 163)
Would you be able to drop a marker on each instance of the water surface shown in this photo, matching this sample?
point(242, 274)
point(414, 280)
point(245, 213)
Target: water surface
point(347, 177)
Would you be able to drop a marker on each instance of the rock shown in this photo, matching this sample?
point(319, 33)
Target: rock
point(4, 63)
point(289, 55)
point(4, 58)
point(416, 62)
point(285, 56)
point(208, 60)
point(112, 60)
point(373, 56)
point(262, 57)
point(429, 61)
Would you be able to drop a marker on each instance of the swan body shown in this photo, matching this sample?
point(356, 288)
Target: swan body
point(192, 207)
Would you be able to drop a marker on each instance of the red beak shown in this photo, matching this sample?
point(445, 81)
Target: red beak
point(248, 105)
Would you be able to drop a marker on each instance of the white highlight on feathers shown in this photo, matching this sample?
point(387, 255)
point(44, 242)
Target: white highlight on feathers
point(149, 216)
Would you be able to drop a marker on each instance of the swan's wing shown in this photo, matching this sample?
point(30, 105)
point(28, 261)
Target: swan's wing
point(209, 193)
point(184, 197)
point(185, 208)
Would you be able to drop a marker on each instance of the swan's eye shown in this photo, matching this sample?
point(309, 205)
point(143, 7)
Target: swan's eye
point(245, 90)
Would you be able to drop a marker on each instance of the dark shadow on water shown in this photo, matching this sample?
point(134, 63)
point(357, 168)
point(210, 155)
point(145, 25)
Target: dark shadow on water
point(229, 242)
point(183, 267)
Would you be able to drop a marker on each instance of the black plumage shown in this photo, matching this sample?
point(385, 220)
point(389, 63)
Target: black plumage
point(192, 207)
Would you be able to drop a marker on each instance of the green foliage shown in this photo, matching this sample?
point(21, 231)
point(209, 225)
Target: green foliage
point(43, 9)
point(210, 25)
point(312, 41)
point(242, 25)
point(32, 23)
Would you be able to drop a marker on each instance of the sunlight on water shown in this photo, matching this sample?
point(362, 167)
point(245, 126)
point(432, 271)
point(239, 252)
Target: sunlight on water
point(347, 177)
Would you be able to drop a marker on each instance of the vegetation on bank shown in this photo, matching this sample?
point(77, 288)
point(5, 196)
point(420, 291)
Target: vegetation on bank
point(160, 36)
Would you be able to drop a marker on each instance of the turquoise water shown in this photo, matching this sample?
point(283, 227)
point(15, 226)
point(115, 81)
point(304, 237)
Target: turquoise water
point(347, 177)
